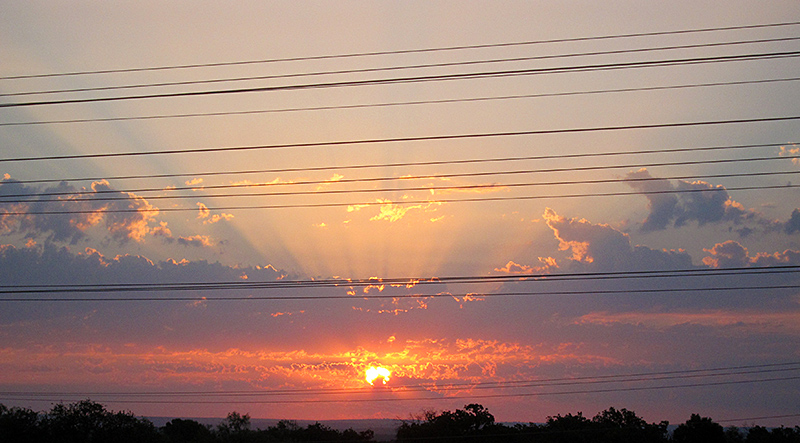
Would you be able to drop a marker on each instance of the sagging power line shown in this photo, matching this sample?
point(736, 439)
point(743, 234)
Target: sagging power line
point(395, 67)
point(403, 103)
point(409, 282)
point(408, 139)
point(425, 78)
point(405, 51)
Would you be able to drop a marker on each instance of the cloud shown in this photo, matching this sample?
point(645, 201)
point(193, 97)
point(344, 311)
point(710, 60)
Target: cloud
point(197, 241)
point(662, 206)
point(204, 213)
point(163, 231)
point(731, 254)
point(391, 212)
point(51, 264)
point(251, 184)
point(696, 201)
point(793, 153)
point(218, 217)
point(335, 178)
point(793, 224)
point(602, 247)
point(127, 225)
point(127, 216)
point(430, 362)
point(547, 263)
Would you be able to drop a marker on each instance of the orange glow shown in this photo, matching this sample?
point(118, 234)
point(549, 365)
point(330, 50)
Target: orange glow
point(375, 372)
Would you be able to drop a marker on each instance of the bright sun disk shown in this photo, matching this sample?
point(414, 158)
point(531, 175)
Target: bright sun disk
point(374, 372)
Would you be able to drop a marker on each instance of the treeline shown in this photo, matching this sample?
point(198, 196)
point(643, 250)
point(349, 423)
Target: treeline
point(90, 422)
point(474, 423)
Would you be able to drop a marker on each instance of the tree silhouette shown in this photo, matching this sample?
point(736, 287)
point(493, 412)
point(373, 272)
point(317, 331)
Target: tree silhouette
point(90, 422)
point(186, 431)
point(699, 430)
point(20, 425)
point(448, 426)
point(760, 434)
point(235, 428)
point(624, 426)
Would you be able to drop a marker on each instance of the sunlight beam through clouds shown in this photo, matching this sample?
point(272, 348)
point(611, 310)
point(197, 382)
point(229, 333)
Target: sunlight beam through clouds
point(568, 197)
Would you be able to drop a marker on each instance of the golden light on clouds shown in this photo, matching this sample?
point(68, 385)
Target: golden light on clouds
point(376, 372)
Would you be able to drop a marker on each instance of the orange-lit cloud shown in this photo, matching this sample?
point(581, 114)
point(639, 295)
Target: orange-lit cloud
point(288, 314)
point(336, 177)
point(731, 254)
point(602, 247)
point(547, 264)
point(565, 229)
point(434, 361)
point(792, 152)
point(127, 217)
point(203, 210)
point(209, 219)
point(391, 212)
point(252, 184)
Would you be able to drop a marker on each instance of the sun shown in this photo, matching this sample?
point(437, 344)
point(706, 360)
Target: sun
point(375, 372)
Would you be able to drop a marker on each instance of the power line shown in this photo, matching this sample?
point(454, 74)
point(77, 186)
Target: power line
point(454, 397)
point(407, 139)
point(425, 78)
point(408, 164)
point(93, 196)
point(393, 281)
point(763, 417)
point(404, 103)
point(395, 68)
point(474, 295)
point(516, 384)
point(404, 51)
point(404, 202)
point(93, 193)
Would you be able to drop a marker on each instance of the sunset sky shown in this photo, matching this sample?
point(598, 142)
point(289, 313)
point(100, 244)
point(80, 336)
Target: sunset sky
point(541, 207)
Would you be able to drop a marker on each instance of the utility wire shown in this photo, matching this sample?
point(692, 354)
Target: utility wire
point(752, 419)
point(99, 194)
point(394, 281)
point(405, 103)
point(395, 68)
point(446, 398)
point(404, 51)
point(97, 197)
point(425, 78)
point(404, 202)
point(408, 164)
point(467, 295)
point(406, 139)
point(544, 382)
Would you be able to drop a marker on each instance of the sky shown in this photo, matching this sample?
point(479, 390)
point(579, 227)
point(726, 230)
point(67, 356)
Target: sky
point(612, 221)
